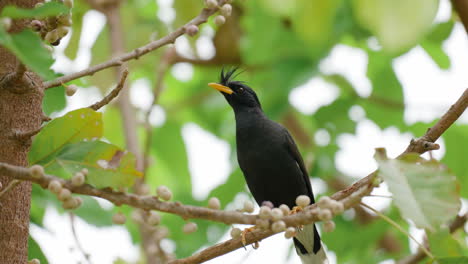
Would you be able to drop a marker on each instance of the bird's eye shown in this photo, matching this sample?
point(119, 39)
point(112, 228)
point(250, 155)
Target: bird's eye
point(241, 90)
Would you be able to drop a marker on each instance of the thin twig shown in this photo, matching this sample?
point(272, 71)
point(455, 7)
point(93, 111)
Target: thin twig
point(397, 226)
point(163, 67)
point(15, 76)
point(459, 222)
point(77, 241)
point(461, 6)
point(26, 135)
point(20, 69)
point(138, 52)
point(426, 142)
point(112, 94)
point(380, 196)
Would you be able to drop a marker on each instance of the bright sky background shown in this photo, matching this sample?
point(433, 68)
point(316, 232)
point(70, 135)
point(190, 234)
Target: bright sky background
point(428, 92)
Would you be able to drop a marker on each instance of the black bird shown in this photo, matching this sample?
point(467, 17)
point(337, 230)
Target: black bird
point(270, 160)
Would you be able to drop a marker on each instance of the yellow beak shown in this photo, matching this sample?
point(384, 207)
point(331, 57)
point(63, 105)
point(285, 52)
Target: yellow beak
point(221, 88)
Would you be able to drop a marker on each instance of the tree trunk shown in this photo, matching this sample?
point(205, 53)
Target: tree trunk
point(20, 113)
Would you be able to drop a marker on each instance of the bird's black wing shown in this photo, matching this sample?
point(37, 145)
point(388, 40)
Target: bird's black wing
point(309, 236)
point(294, 151)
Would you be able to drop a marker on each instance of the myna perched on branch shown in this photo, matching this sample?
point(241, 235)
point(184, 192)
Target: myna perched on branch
point(270, 160)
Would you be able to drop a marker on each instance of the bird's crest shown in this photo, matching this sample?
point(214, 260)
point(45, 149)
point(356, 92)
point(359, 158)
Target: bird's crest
point(228, 76)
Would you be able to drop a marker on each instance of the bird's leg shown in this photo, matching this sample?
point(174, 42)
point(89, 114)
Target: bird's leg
point(244, 233)
point(295, 210)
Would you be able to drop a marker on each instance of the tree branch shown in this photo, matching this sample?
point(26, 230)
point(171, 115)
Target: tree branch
point(138, 52)
point(106, 100)
point(13, 76)
point(349, 197)
point(461, 6)
point(425, 143)
point(222, 248)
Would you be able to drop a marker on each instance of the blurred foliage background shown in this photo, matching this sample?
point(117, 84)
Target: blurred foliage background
point(279, 45)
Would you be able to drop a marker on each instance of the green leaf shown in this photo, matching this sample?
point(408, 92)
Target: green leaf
point(108, 165)
point(75, 126)
point(260, 40)
point(54, 100)
point(227, 191)
point(113, 122)
point(456, 143)
point(79, 10)
point(40, 199)
point(437, 54)
point(424, 191)
point(171, 161)
point(27, 46)
point(147, 9)
point(274, 83)
point(34, 251)
point(93, 213)
point(279, 7)
point(314, 21)
point(441, 32)
point(442, 244)
point(385, 104)
point(432, 44)
point(453, 260)
point(186, 10)
point(47, 10)
point(335, 117)
point(372, 234)
point(394, 22)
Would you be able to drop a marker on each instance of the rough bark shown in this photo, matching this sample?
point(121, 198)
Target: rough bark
point(20, 113)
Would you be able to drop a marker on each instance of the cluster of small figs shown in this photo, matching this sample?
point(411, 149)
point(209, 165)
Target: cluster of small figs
point(271, 217)
point(63, 194)
point(152, 218)
point(224, 12)
point(53, 29)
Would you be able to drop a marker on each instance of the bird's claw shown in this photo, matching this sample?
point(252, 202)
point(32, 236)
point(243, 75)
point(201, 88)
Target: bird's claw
point(244, 233)
point(256, 245)
point(295, 210)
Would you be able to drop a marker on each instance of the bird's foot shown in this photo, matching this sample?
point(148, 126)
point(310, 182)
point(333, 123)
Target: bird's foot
point(244, 233)
point(295, 210)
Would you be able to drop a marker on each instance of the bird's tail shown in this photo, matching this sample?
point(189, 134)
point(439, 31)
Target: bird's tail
point(309, 246)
